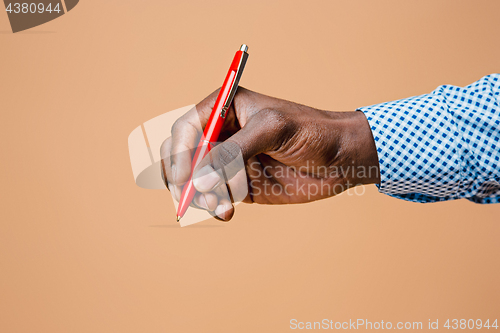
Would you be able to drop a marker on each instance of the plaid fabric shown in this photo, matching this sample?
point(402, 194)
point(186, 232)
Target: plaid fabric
point(440, 146)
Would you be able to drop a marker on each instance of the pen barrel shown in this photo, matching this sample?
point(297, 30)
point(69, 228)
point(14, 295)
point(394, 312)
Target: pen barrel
point(224, 99)
point(214, 125)
point(188, 190)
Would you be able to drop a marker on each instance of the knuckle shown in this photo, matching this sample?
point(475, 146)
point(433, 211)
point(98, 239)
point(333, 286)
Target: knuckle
point(209, 101)
point(164, 148)
point(177, 124)
point(277, 120)
point(215, 93)
point(164, 145)
point(280, 127)
point(212, 98)
point(273, 115)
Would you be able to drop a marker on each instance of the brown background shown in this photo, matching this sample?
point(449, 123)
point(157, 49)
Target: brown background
point(83, 249)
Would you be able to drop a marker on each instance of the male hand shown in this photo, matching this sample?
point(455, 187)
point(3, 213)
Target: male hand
point(292, 153)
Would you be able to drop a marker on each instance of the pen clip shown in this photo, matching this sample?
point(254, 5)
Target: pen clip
point(234, 85)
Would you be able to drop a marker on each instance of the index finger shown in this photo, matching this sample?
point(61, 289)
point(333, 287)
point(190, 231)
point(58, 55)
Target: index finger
point(186, 133)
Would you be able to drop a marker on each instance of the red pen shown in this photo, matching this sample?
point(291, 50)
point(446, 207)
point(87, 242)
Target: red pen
point(214, 125)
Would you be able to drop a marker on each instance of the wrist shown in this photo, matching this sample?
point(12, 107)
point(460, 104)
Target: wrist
point(360, 149)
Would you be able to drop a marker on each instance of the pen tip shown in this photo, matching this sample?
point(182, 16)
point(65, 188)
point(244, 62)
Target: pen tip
point(178, 218)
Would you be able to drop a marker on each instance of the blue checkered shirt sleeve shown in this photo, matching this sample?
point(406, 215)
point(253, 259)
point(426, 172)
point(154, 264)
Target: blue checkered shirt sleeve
point(440, 146)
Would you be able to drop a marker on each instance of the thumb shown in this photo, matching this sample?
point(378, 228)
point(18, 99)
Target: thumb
point(223, 162)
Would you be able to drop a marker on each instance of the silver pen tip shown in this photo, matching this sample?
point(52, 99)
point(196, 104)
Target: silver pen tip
point(244, 48)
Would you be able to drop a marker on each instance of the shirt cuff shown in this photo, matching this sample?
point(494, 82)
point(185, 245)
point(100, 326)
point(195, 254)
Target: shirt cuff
point(417, 147)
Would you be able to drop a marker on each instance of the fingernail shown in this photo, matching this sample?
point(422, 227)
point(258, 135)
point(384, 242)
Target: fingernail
point(201, 201)
point(220, 211)
point(206, 179)
point(204, 201)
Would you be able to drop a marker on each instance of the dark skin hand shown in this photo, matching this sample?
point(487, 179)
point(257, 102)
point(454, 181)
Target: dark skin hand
point(292, 147)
